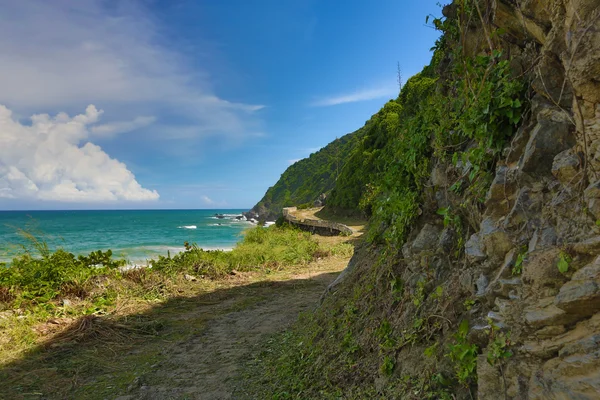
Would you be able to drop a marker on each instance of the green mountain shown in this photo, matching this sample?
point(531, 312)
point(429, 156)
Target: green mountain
point(305, 180)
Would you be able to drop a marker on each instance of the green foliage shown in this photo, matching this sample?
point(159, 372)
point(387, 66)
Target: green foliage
point(498, 349)
point(303, 181)
point(469, 303)
point(464, 356)
point(40, 279)
point(387, 366)
point(564, 260)
point(517, 269)
point(261, 248)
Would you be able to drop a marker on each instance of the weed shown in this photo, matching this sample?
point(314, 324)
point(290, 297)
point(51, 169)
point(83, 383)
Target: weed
point(464, 355)
point(517, 269)
point(387, 366)
point(564, 261)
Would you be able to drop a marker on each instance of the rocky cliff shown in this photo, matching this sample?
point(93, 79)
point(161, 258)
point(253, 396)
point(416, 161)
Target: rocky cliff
point(483, 279)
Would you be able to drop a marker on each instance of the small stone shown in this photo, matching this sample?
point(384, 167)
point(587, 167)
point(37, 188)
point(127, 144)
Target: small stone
point(481, 284)
point(190, 278)
point(592, 196)
point(438, 176)
point(565, 167)
point(474, 249)
point(447, 240)
point(495, 240)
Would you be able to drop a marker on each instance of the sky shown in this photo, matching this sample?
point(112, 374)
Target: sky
point(135, 104)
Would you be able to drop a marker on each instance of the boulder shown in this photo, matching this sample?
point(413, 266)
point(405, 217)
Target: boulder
point(427, 239)
point(542, 239)
point(552, 135)
point(541, 270)
point(527, 203)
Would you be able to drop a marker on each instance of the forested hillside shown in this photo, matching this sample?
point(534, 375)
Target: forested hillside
point(305, 180)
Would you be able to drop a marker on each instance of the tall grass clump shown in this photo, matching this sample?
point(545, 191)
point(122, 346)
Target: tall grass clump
point(260, 249)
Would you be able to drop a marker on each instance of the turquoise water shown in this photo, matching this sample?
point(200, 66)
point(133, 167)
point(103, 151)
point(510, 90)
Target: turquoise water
point(136, 235)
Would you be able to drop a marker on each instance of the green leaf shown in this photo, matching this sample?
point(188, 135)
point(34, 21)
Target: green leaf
point(563, 262)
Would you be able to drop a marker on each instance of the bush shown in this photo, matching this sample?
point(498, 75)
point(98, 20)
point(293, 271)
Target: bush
point(53, 274)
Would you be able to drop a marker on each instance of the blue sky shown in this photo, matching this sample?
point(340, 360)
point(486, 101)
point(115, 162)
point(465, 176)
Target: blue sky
point(188, 104)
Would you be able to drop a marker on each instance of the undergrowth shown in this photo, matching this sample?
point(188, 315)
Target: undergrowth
point(41, 285)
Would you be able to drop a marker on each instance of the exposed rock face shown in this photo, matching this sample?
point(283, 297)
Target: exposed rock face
point(540, 212)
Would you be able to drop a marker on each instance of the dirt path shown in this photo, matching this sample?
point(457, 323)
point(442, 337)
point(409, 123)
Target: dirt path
point(205, 365)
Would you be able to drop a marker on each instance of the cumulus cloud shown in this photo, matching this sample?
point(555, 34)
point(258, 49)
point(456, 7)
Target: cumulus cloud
point(359, 95)
point(63, 54)
point(52, 160)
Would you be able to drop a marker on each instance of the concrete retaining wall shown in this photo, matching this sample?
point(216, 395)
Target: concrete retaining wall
point(318, 226)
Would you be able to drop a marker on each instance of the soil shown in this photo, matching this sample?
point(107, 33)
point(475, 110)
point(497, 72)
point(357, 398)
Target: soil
point(207, 366)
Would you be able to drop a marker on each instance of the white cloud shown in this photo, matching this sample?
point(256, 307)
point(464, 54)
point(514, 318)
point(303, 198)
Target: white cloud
point(63, 54)
point(52, 160)
point(294, 161)
point(115, 128)
point(359, 95)
point(207, 200)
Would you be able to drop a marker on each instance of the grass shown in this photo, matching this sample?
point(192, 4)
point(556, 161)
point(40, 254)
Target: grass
point(86, 317)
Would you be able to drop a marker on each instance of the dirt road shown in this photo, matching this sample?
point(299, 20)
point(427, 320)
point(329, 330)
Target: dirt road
point(205, 366)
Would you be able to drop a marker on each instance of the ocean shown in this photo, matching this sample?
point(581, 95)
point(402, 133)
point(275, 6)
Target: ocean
point(136, 235)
